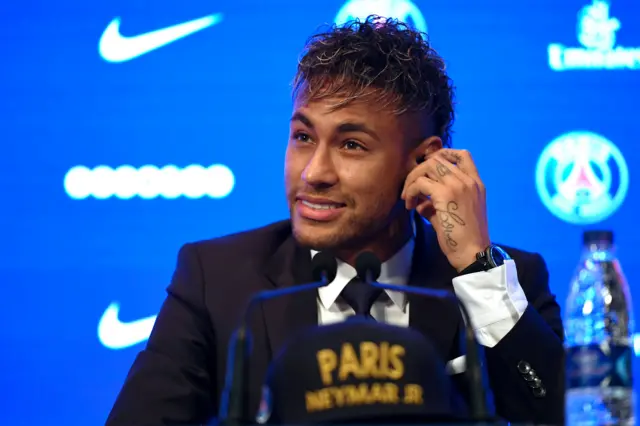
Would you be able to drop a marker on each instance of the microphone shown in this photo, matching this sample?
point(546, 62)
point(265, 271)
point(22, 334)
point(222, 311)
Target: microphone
point(368, 268)
point(233, 402)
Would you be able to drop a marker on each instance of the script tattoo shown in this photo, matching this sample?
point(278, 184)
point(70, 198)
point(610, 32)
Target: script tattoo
point(442, 169)
point(448, 219)
point(457, 158)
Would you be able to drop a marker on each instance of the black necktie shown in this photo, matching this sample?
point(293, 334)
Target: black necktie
point(360, 296)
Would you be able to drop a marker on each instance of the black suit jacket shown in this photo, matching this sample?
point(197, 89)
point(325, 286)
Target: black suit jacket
point(178, 378)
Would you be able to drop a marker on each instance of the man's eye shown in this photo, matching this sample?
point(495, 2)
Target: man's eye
point(302, 137)
point(351, 145)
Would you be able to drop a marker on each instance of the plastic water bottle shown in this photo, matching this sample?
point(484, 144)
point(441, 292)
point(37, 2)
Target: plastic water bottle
point(599, 338)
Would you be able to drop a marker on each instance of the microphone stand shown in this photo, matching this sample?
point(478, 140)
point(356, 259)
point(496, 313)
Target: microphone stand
point(234, 400)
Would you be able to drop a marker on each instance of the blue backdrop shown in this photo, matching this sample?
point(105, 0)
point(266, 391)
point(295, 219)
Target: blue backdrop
point(131, 127)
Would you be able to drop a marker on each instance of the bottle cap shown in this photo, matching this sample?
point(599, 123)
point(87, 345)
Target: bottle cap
point(597, 236)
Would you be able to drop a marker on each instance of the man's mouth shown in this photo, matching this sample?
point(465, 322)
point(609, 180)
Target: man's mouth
point(319, 209)
point(322, 206)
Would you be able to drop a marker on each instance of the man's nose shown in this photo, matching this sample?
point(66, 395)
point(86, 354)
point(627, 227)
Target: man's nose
point(320, 170)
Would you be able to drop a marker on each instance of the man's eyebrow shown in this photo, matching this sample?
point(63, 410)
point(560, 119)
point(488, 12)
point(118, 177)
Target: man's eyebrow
point(347, 127)
point(298, 116)
point(357, 127)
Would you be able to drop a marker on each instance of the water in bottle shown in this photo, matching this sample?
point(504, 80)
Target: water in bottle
point(599, 338)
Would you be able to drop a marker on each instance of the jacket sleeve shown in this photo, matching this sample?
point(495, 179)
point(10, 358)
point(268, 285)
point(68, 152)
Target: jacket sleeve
point(170, 380)
point(526, 368)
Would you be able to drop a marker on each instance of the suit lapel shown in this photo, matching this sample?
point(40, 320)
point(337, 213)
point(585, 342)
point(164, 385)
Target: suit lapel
point(438, 319)
point(290, 265)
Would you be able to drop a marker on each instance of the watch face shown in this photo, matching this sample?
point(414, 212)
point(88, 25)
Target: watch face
point(497, 256)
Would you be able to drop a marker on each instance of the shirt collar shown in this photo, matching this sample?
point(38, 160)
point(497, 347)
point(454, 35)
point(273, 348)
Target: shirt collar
point(396, 271)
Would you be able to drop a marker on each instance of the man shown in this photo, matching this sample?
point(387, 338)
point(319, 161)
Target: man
point(367, 168)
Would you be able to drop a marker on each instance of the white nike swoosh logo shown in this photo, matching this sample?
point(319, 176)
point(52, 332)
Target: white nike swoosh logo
point(114, 47)
point(115, 334)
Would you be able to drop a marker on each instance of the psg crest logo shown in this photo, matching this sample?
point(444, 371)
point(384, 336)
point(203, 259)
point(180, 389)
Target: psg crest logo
point(582, 177)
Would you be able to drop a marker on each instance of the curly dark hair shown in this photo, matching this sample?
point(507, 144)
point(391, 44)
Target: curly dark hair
point(397, 62)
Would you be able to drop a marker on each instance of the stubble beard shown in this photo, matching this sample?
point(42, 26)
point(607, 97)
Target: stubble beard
point(351, 234)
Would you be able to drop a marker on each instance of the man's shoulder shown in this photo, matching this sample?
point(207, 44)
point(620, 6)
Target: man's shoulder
point(257, 242)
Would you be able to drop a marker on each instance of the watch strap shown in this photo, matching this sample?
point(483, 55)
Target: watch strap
point(481, 264)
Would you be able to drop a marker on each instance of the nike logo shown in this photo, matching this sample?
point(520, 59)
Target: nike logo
point(115, 334)
point(114, 47)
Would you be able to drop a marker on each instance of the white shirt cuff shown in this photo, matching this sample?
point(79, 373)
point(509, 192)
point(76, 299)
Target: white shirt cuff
point(494, 299)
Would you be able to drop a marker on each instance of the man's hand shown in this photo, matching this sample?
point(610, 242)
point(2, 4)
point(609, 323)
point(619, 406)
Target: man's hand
point(447, 191)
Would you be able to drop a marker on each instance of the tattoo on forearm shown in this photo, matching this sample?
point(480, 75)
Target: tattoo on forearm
point(442, 169)
point(448, 219)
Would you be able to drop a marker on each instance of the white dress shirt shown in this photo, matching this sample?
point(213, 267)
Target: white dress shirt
point(494, 299)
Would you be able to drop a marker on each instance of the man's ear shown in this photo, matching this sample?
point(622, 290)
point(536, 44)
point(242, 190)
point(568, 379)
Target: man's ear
point(424, 149)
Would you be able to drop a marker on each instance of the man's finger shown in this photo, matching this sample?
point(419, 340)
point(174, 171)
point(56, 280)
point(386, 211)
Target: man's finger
point(420, 188)
point(433, 168)
point(418, 171)
point(439, 169)
point(426, 209)
point(462, 159)
point(455, 170)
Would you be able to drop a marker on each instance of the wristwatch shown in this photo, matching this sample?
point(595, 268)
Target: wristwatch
point(491, 257)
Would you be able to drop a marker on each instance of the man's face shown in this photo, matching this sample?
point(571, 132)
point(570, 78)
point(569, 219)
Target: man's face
point(344, 172)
